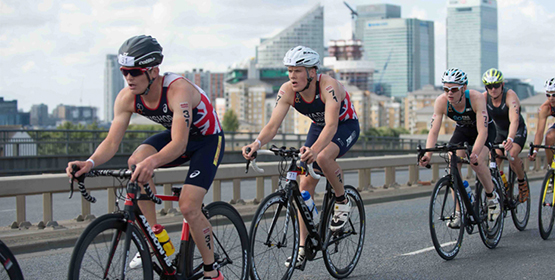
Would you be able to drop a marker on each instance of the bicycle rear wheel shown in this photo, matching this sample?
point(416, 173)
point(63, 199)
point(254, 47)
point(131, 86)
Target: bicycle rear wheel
point(490, 231)
point(230, 243)
point(99, 253)
point(11, 266)
point(274, 237)
point(520, 212)
point(443, 205)
point(545, 211)
point(342, 248)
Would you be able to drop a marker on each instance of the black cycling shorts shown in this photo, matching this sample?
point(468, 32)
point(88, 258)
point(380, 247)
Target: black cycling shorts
point(470, 133)
point(204, 155)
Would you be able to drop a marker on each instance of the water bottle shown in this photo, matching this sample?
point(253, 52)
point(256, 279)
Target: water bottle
point(504, 178)
point(311, 205)
point(468, 191)
point(164, 239)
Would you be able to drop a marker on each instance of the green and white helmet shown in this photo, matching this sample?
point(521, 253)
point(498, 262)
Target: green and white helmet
point(454, 76)
point(492, 76)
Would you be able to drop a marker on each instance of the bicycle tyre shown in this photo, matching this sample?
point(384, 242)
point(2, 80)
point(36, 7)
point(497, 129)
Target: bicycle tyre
point(230, 243)
point(545, 211)
point(341, 253)
point(9, 262)
point(490, 231)
point(520, 213)
point(267, 260)
point(95, 241)
point(447, 241)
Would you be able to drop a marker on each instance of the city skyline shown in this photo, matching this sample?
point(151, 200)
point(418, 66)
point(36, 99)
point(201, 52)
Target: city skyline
point(56, 50)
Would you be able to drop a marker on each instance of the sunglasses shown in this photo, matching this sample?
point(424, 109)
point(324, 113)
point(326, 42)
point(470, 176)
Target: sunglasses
point(452, 89)
point(134, 72)
point(550, 95)
point(492, 86)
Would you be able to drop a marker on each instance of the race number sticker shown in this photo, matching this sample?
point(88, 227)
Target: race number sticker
point(291, 175)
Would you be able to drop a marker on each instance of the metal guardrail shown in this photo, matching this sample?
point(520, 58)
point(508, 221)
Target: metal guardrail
point(18, 143)
point(21, 186)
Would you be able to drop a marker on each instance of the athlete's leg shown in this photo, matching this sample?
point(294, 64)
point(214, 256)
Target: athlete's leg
point(147, 207)
point(516, 163)
point(190, 204)
point(549, 141)
point(482, 170)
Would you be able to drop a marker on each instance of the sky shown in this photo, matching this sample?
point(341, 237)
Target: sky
point(53, 51)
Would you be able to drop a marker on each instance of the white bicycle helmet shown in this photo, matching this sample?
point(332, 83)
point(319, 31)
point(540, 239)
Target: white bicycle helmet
point(550, 85)
point(302, 56)
point(454, 76)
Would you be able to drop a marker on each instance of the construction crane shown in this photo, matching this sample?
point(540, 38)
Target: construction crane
point(354, 15)
point(378, 88)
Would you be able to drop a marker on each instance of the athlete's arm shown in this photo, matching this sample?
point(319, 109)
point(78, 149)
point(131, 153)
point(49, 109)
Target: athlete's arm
point(182, 98)
point(482, 119)
point(332, 94)
point(123, 109)
point(543, 113)
point(284, 100)
point(440, 106)
point(513, 103)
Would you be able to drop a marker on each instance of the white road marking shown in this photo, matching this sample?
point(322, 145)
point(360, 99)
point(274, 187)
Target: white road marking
point(427, 249)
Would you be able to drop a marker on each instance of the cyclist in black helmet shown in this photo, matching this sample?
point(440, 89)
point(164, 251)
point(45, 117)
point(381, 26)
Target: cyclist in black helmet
point(192, 134)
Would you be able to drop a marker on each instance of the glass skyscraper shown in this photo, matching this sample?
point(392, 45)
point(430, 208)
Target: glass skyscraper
point(402, 50)
point(113, 83)
point(307, 31)
point(472, 40)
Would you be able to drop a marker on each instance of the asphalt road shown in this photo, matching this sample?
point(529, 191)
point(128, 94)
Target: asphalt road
point(397, 246)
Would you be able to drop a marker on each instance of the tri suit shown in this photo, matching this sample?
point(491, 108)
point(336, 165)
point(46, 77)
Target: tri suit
point(348, 129)
point(206, 144)
point(466, 130)
point(500, 116)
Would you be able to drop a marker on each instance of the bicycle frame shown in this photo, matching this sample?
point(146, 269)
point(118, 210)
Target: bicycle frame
point(551, 167)
point(135, 217)
point(455, 177)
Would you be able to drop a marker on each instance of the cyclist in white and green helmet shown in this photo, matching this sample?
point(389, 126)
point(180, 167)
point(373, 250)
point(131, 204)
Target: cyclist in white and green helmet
point(504, 109)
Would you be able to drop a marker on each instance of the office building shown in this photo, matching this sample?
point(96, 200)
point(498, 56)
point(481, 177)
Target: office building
point(472, 37)
point(39, 115)
point(402, 50)
point(211, 83)
point(10, 116)
point(346, 65)
point(522, 88)
point(113, 83)
point(308, 31)
point(75, 114)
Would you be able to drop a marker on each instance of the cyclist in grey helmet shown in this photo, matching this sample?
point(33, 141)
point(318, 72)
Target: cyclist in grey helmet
point(334, 130)
point(468, 109)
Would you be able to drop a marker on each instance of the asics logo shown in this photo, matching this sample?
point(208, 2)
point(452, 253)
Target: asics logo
point(194, 174)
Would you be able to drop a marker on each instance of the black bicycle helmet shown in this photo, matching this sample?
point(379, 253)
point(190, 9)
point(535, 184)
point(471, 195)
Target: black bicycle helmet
point(140, 51)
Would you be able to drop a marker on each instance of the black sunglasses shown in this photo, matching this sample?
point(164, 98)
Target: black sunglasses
point(550, 95)
point(134, 72)
point(492, 86)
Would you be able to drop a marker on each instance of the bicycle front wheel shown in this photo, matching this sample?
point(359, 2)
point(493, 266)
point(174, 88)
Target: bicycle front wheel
point(545, 211)
point(490, 229)
point(444, 204)
point(274, 237)
point(520, 212)
point(230, 243)
point(100, 254)
point(11, 266)
point(342, 248)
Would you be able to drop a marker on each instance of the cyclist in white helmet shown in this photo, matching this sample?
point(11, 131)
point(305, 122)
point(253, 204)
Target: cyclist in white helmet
point(334, 130)
point(468, 109)
point(504, 109)
point(546, 109)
